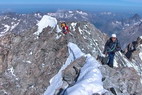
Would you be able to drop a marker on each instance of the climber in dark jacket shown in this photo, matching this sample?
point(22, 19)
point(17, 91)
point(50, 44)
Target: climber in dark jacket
point(111, 47)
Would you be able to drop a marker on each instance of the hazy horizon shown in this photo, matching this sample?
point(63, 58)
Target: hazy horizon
point(30, 8)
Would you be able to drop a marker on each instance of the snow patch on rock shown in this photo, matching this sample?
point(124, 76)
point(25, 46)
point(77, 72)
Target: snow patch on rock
point(45, 22)
point(115, 63)
point(7, 27)
point(82, 13)
point(80, 31)
point(58, 36)
point(140, 37)
point(70, 12)
point(58, 29)
point(28, 62)
point(140, 55)
point(73, 25)
point(11, 70)
point(14, 26)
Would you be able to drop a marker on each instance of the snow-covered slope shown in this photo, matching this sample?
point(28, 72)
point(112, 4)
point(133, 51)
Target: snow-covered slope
point(90, 76)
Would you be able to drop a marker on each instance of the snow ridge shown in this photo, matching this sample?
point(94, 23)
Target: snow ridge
point(45, 22)
point(90, 76)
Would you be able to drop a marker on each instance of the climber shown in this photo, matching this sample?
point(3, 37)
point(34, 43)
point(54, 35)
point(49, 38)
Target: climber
point(111, 47)
point(130, 49)
point(65, 28)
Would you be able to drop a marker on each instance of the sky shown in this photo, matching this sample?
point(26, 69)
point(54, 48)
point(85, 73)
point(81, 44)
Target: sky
point(95, 2)
point(72, 4)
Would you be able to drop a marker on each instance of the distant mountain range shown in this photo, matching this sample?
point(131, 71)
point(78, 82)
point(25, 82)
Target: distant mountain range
point(16, 23)
point(125, 25)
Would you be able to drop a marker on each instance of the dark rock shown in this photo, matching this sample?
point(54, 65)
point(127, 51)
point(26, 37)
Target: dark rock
point(70, 74)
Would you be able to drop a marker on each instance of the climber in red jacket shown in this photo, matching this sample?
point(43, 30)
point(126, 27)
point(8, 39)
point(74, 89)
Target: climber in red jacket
point(65, 28)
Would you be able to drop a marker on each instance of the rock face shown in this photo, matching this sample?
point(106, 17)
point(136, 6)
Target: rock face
point(73, 70)
point(28, 61)
point(121, 81)
point(27, 64)
point(70, 74)
point(134, 53)
point(132, 47)
point(132, 31)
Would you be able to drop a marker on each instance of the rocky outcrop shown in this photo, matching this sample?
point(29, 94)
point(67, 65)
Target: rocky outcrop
point(70, 75)
point(27, 64)
point(132, 47)
point(121, 81)
point(133, 53)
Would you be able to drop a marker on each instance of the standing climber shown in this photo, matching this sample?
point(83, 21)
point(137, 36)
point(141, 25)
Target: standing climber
point(111, 47)
point(65, 28)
